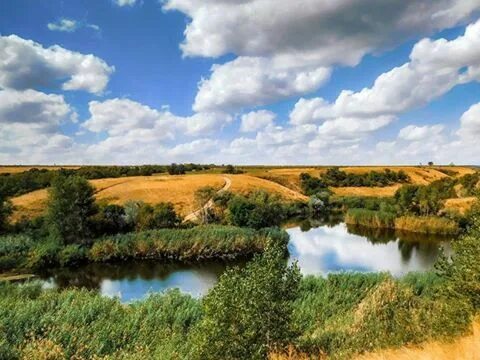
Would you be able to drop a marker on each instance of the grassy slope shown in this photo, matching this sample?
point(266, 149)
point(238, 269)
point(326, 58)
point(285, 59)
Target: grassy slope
point(154, 189)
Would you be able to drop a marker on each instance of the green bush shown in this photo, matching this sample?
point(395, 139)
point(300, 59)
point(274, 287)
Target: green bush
point(14, 250)
point(44, 254)
point(157, 216)
point(248, 313)
point(462, 272)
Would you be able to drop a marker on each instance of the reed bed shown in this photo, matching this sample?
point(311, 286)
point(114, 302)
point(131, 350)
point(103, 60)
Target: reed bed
point(370, 218)
point(427, 225)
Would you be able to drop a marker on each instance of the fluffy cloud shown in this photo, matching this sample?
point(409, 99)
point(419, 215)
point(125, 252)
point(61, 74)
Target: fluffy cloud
point(470, 124)
point(248, 81)
point(435, 67)
point(323, 32)
point(122, 116)
point(287, 50)
point(29, 125)
point(193, 149)
point(256, 120)
point(418, 133)
point(36, 109)
point(141, 132)
point(26, 64)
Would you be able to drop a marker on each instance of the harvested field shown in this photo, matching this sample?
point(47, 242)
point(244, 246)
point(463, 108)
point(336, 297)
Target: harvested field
point(154, 189)
point(245, 183)
point(366, 191)
point(288, 177)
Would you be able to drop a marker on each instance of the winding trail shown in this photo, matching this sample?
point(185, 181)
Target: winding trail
point(209, 204)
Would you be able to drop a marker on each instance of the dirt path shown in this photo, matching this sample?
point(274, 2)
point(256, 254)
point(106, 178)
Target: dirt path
point(194, 215)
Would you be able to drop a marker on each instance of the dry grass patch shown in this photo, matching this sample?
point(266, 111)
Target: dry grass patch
point(465, 348)
point(461, 205)
point(288, 177)
point(244, 184)
point(366, 191)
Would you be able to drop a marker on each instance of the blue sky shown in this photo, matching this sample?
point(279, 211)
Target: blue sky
point(252, 82)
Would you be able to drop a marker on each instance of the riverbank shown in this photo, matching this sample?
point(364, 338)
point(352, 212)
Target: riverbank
point(194, 244)
point(387, 220)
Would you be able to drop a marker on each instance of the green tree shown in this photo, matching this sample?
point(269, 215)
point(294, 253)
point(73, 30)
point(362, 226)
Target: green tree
point(71, 205)
point(159, 216)
point(249, 312)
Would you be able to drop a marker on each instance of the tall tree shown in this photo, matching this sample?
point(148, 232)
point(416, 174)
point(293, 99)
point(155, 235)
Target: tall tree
point(70, 206)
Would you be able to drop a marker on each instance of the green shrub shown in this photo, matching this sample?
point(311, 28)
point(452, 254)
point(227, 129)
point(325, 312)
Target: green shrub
point(462, 272)
point(44, 254)
point(72, 255)
point(248, 313)
point(13, 250)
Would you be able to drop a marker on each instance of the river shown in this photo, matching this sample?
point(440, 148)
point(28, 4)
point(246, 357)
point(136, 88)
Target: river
point(318, 247)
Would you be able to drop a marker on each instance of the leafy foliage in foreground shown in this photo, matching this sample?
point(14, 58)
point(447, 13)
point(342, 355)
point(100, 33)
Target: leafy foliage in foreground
point(80, 324)
point(248, 313)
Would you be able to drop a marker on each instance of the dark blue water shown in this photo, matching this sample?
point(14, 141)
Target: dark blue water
point(318, 248)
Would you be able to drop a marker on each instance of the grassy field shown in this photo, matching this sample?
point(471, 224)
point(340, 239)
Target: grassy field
point(154, 189)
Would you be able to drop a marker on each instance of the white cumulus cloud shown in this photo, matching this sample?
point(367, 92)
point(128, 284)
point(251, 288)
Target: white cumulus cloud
point(26, 64)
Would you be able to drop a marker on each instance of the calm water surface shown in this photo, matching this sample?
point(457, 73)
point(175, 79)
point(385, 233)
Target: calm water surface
point(318, 247)
point(339, 247)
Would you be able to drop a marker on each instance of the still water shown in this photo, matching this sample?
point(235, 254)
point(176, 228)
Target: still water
point(318, 247)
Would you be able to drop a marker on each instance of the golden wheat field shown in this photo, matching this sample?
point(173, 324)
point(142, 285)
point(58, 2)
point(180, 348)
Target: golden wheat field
point(154, 189)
